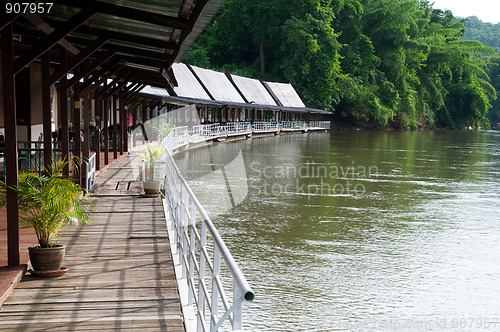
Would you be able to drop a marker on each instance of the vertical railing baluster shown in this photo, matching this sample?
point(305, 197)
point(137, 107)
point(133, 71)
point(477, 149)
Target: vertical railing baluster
point(237, 323)
point(214, 317)
point(185, 224)
point(201, 277)
point(192, 257)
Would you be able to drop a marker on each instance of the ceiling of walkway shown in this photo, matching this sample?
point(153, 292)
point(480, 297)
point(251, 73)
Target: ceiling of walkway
point(143, 38)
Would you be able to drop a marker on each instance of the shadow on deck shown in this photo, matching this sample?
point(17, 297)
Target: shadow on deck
point(121, 271)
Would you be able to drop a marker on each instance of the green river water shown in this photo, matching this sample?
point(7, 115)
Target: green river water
point(387, 231)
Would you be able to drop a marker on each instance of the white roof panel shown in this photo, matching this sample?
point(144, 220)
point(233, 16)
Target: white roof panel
point(154, 91)
point(253, 90)
point(286, 94)
point(219, 85)
point(189, 86)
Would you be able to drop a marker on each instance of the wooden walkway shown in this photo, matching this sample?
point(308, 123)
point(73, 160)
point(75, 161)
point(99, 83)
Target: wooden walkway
point(121, 271)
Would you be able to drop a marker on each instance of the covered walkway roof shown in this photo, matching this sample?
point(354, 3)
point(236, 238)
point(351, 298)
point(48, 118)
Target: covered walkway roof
point(113, 48)
point(208, 88)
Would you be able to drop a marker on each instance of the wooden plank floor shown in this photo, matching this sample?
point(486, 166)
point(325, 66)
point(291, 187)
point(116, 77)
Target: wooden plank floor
point(121, 272)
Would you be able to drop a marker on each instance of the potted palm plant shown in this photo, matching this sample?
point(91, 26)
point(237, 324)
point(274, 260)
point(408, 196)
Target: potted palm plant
point(48, 202)
point(150, 158)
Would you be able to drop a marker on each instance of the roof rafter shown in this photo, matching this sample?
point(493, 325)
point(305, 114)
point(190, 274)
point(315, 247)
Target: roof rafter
point(52, 39)
point(130, 13)
point(84, 54)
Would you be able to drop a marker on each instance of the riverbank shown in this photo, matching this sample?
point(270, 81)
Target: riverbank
point(340, 123)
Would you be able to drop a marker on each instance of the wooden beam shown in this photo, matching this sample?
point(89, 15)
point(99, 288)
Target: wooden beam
point(127, 90)
point(142, 40)
point(6, 19)
point(106, 71)
point(118, 87)
point(133, 92)
point(147, 54)
point(52, 39)
point(87, 69)
point(47, 29)
point(10, 122)
point(101, 80)
point(157, 64)
point(130, 13)
point(193, 17)
point(78, 59)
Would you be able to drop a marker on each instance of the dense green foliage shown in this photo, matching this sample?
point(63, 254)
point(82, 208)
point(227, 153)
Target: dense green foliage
point(494, 73)
point(486, 33)
point(392, 62)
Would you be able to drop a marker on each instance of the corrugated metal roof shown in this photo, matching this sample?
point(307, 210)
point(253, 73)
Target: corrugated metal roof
point(286, 94)
point(219, 85)
point(190, 91)
point(144, 36)
point(253, 90)
point(188, 85)
point(208, 13)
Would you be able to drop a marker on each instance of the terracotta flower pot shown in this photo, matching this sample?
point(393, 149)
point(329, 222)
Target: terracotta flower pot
point(46, 259)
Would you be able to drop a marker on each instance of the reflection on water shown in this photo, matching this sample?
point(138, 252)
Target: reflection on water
point(362, 230)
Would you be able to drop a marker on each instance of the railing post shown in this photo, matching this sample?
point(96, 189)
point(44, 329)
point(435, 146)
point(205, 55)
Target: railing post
point(192, 257)
point(238, 309)
point(214, 317)
point(201, 278)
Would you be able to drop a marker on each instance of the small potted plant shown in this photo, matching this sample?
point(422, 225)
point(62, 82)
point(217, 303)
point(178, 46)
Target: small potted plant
point(48, 202)
point(150, 158)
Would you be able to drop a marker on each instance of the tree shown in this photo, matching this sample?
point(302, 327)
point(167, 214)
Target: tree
point(391, 62)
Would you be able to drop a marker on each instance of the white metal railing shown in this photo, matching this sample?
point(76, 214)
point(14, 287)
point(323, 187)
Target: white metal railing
point(178, 137)
point(182, 136)
point(202, 255)
point(90, 168)
point(266, 127)
point(238, 128)
point(293, 125)
point(319, 124)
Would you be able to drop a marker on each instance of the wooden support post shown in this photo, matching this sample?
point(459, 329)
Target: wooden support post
point(63, 120)
point(106, 131)
point(97, 132)
point(123, 126)
point(86, 129)
point(76, 129)
point(63, 107)
point(9, 109)
point(144, 109)
point(115, 128)
point(46, 111)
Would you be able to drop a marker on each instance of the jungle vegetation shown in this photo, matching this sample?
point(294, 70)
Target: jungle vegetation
point(398, 63)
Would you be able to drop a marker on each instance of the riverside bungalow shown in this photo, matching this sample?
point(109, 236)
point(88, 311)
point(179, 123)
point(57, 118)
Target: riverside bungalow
point(222, 97)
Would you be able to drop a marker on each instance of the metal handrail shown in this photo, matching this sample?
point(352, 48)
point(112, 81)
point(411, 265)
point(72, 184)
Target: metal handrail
point(182, 208)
